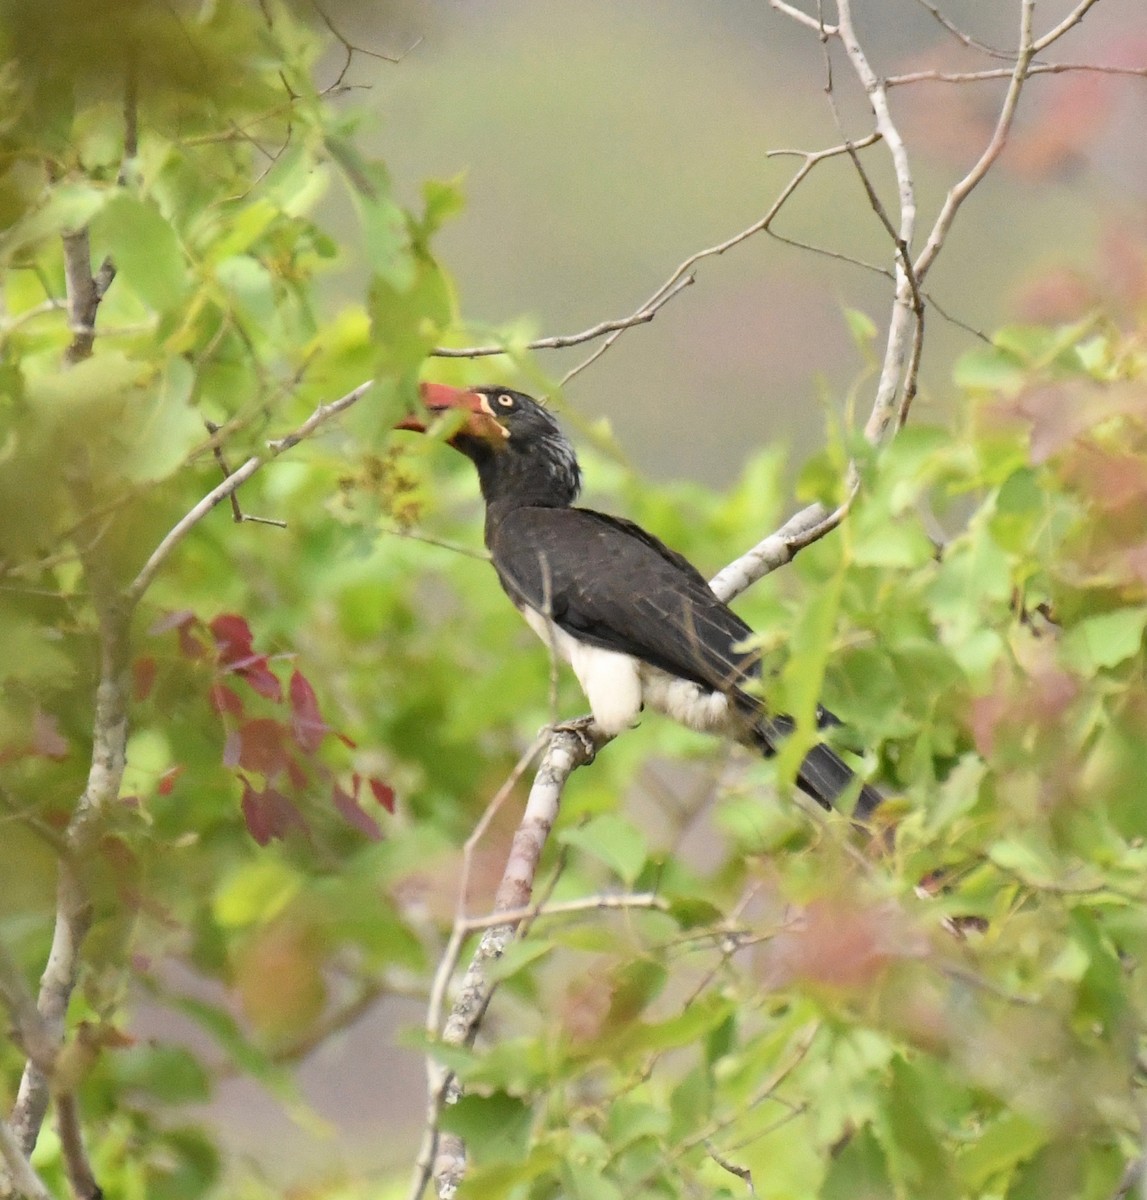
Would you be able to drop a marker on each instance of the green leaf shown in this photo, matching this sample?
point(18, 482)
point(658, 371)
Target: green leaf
point(68, 208)
point(145, 249)
point(989, 369)
point(861, 327)
point(495, 1127)
point(860, 1169)
point(170, 1073)
point(1105, 640)
point(255, 892)
point(612, 840)
point(891, 542)
point(160, 428)
point(999, 1148)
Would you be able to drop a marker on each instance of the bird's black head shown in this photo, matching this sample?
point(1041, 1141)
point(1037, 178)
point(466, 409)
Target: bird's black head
point(519, 449)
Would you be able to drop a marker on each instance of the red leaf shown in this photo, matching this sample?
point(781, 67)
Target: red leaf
point(269, 814)
point(261, 746)
point(383, 793)
point(168, 778)
point(224, 700)
point(143, 677)
point(309, 726)
point(233, 639)
point(47, 740)
point(298, 777)
point(353, 815)
point(256, 672)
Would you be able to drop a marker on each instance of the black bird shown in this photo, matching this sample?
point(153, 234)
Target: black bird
point(636, 621)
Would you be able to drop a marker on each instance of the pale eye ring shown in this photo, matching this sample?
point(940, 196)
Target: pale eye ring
point(506, 401)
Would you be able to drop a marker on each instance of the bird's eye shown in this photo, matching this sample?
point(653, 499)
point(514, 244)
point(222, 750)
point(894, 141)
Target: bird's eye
point(506, 401)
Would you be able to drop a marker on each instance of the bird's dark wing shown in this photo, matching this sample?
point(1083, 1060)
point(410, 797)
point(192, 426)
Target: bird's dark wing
point(608, 582)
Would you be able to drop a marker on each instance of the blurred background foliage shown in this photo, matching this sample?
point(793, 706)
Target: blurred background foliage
point(321, 712)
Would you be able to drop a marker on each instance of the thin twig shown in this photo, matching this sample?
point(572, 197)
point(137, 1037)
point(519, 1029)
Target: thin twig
point(232, 483)
point(992, 73)
point(962, 37)
point(683, 272)
point(960, 192)
point(803, 18)
point(533, 913)
point(237, 514)
point(884, 404)
point(642, 316)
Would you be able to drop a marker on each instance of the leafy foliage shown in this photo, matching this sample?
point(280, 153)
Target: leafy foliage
point(319, 713)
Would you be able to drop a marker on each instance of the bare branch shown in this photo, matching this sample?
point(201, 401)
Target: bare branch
point(683, 271)
point(1072, 19)
point(1006, 73)
point(231, 484)
point(642, 316)
point(73, 906)
point(72, 1150)
point(84, 294)
point(32, 1035)
point(960, 192)
point(962, 37)
point(803, 18)
point(237, 514)
point(742, 1173)
point(904, 302)
point(21, 1175)
point(533, 912)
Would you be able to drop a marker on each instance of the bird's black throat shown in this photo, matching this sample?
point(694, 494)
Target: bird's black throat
point(537, 470)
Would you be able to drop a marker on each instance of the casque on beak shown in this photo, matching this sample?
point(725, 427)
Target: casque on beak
point(479, 421)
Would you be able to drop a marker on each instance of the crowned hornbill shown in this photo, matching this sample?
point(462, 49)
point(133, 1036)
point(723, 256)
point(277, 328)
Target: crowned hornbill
point(636, 621)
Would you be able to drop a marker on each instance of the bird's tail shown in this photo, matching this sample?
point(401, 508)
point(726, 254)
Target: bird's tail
point(823, 774)
point(826, 777)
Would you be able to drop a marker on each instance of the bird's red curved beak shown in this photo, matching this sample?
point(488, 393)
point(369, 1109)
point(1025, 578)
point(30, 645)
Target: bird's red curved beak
point(441, 398)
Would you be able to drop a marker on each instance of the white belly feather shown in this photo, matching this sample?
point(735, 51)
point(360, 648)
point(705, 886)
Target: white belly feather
point(616, 685)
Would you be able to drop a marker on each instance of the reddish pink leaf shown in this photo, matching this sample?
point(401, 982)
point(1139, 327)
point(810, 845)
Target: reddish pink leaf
point(231, 749)
point(142, 677)
point(298, 777)
point(354, 816)
point(383, 793)
point(269, 814)
point(47, 740)
point(189, 645)
point(233, 639)
point(172, 620)
point(256, 672)
point(167, 779)
point(262, 746)
point(309, 726)
point(224, 700)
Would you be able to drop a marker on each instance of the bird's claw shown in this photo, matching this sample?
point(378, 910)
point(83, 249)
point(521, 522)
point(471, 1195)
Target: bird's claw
point(581, 728)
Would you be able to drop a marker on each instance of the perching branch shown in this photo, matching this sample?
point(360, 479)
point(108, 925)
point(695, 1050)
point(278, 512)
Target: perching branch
point(444, 1157)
